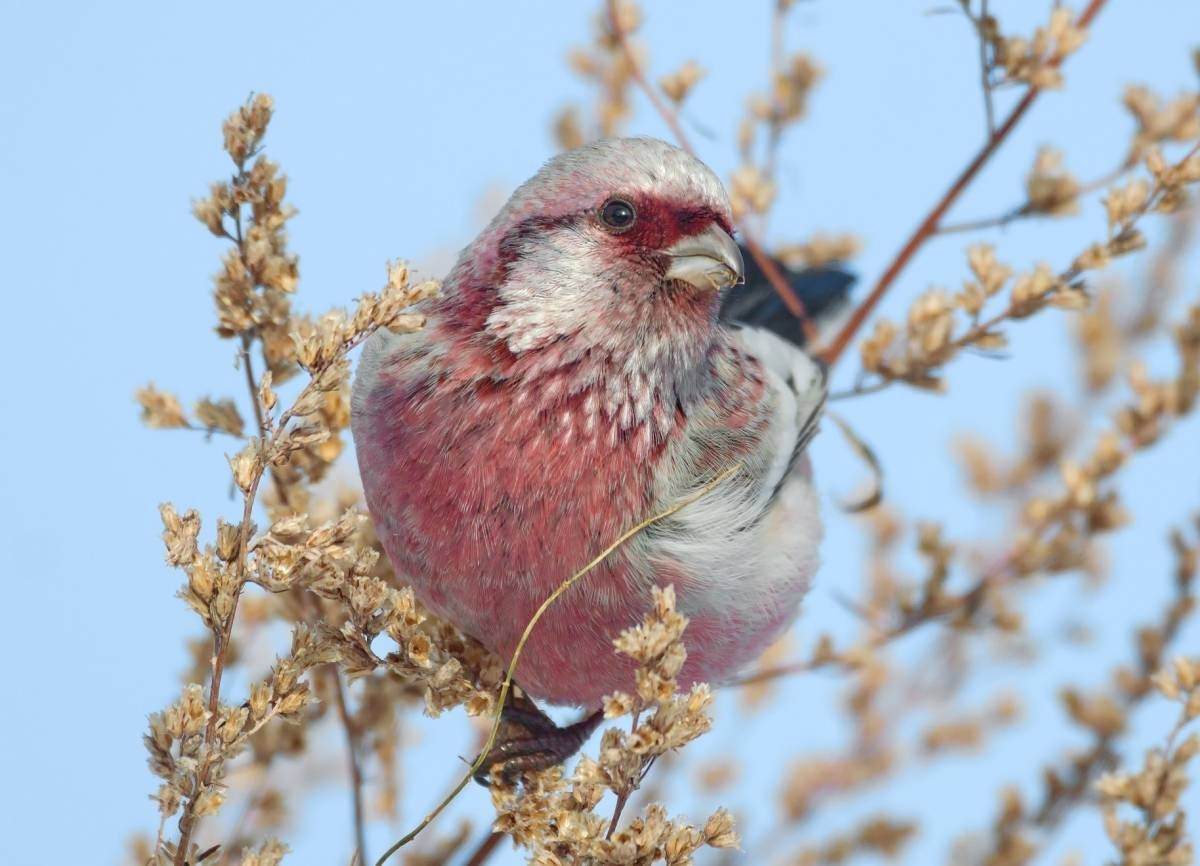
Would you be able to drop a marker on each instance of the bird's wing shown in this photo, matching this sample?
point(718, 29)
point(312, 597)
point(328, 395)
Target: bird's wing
point(824, 291)
point(749, 545)
point(798, 385)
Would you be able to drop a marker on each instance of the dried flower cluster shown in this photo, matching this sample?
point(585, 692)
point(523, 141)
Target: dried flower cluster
point(752, 187)
point(1051, 189)
point(608, 64)
point(940, 326)
point(1035, 61)
point(193, 742)
point(554, 816)
point(1157, 835)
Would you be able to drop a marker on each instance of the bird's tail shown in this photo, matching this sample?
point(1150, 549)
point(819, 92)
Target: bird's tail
point(824, 291)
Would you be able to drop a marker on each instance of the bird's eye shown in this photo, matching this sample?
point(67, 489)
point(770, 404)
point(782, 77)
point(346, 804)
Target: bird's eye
point(617, 215)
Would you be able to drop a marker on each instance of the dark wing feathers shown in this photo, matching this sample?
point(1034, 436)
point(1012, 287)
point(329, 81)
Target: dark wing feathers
point(824, 291)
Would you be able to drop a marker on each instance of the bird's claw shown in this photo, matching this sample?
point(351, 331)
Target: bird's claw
point(544, 744)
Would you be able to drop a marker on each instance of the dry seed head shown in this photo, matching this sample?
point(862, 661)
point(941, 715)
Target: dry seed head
point(750, 191)
point(219, 415)
point(1035, 61)
point(791, 89)
point(160, 410)
point(679, 84)
point(1122, 203)
point(1050, 188)
point(821, 249)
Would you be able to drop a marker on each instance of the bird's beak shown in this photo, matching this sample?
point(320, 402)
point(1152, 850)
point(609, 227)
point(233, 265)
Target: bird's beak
point(709, 260)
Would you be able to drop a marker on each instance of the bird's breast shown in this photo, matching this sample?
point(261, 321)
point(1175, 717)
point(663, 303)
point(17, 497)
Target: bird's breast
point(488, 494)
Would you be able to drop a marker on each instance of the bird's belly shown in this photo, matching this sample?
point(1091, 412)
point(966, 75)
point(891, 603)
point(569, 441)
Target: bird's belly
point(489, 519)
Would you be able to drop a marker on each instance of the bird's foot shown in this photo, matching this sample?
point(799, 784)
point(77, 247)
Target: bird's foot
point(540, 743)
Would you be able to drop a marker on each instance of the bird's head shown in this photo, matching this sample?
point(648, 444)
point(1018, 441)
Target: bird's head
point(617, 246)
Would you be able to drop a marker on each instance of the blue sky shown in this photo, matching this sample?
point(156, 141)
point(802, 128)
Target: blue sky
point(393, 121)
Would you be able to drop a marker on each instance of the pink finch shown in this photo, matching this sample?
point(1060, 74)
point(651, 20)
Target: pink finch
point(573, 379)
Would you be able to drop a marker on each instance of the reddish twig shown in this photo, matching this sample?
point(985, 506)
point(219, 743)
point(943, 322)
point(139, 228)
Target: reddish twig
point(486, 848)
point(779, 283)
point(929, 226)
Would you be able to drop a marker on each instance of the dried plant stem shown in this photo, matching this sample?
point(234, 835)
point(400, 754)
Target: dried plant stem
point(252, 388)
point(671, 118)
point(929, 225)
point(979, 22)
point(222, 634)
point(635, 71)
point(486, 848)
point(1079, 773)
point(1026, 209)
point(352, 762)
point(1020, 306)
point(506, 686)
point(775, 127)
point(311, 605)
point(623, 796)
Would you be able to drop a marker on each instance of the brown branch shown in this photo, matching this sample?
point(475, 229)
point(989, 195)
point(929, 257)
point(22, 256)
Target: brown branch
point(623, 795)
point(671, 118)
point(280, 486)
point(928, 226)
point(352, 761)
point(992, 222)
point(224, 633)
point(485, 849)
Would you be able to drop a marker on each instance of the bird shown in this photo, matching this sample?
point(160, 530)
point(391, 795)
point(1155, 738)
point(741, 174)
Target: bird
point(574, 377)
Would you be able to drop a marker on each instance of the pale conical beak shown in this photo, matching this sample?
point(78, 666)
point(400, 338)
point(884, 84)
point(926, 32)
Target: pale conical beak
point(709, 260)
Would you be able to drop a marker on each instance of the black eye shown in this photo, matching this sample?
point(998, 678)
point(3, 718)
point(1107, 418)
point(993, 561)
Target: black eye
point(617, 214)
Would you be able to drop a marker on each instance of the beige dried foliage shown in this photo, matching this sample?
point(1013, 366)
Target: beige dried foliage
point(1143, 812)
point(751, 191)
point(882, 836)
point(1049, 187)
point(1035, 60)
point(941, 326)
point(554, 816)
point(605, 65)
point(680, 83)
point(160, 410)
point(820, 249)
point(193, 742)
point(1161, 121)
